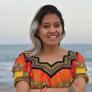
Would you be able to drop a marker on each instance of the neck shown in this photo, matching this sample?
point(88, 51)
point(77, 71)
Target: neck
point(50, 49)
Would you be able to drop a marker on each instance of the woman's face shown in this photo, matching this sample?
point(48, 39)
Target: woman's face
point(50, 30)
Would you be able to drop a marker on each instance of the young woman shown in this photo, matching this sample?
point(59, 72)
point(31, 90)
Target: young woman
point(48, 67)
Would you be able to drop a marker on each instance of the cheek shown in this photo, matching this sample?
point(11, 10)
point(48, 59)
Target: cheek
point(42, 34)
point(60, 32)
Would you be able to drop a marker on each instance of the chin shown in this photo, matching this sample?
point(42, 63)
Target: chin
point(53, 43)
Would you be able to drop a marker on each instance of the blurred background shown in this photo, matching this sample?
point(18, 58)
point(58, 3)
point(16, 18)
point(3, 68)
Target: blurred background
point(15, 19)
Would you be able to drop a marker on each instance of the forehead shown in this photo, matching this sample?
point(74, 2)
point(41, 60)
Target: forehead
point(50, 18)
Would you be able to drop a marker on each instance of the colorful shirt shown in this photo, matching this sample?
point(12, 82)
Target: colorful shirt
point(40, 74)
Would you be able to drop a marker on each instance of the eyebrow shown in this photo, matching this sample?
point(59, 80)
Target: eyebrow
point(49, 23)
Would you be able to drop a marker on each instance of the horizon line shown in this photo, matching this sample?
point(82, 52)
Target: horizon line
point(31, 44)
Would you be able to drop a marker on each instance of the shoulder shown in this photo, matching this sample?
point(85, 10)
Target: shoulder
point(79, 56)
point(22, 57)
point(24, 54)
point(20, 62)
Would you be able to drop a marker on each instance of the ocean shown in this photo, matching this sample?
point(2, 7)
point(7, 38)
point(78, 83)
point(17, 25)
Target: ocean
point(8, 54)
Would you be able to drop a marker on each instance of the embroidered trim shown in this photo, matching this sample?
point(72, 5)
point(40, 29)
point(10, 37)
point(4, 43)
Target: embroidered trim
point(49, 69)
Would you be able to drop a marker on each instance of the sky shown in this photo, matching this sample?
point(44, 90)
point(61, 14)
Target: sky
point(16, 16)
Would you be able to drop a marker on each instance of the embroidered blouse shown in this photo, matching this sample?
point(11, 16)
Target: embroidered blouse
point(39, 74)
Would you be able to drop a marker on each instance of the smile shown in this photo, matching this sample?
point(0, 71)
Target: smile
point(53, 37)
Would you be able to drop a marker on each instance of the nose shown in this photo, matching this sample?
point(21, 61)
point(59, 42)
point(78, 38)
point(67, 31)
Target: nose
point(52, 29)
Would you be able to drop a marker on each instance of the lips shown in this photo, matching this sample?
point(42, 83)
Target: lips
point(53, 34)
point(52, 37)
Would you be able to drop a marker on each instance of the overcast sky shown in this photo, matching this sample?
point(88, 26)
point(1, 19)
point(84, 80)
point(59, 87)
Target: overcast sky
point(16, 16)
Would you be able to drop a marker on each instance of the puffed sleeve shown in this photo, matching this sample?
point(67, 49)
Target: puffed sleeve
point(81, 68)
point(21, 69)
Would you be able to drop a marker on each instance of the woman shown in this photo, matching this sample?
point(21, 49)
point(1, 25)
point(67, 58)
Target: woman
point(49, 67)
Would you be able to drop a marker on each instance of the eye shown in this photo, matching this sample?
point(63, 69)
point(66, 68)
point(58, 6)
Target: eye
point(45, 26)
point(57, 25)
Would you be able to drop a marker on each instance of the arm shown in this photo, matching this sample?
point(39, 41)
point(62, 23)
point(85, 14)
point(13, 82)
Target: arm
point(22, 86)
point(54, 89)
point(43, 89)
point(21, 74)
point(79, 85)
point(81, 78)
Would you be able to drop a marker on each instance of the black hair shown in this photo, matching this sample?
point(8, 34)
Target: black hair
point(49, 9)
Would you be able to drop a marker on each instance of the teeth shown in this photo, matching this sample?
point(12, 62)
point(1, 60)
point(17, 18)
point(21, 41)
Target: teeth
point(53, 37)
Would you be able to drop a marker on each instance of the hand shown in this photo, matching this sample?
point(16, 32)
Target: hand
point(43, 89)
